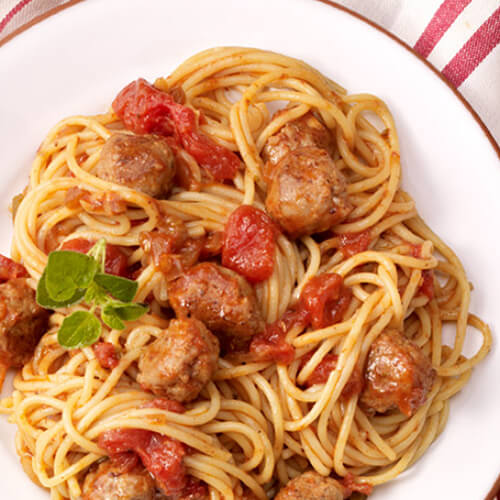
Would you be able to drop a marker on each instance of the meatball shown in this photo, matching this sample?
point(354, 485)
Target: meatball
point(141, 162)
point(219, 297)
point(307, 193)
point(300, 133)
point(22, 322)
point(110, 482)
point(311, 486)
point(398, 374)
point(179, 363)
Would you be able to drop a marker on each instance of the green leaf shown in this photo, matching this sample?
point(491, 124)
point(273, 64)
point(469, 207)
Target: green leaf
point(126, 312)
point(97, 294)
point(111, 318)
point(98, 252)
point(80, 329)
point(66, 272)
point(120, 288)
point(43, 298)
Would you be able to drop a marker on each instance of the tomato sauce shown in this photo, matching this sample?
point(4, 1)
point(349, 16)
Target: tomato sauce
point(116, 260)
point(10, 269)
point(165, 404)
point(161, 455)
point(270, 345)
point(350, 483)
point(107, 203)
point(250, 243)
point(145, 109)
point(320, 375)
point(106, 354)
point(326, 299)
point(353, 243)
point(427, 286)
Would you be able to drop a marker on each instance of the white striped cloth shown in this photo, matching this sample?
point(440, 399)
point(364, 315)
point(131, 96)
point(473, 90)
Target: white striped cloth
point(461, 38)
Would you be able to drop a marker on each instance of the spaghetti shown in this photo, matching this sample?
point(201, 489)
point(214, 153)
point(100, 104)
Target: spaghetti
point(256, 424)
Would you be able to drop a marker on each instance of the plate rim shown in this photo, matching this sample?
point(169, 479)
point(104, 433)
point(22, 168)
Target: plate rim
point(495, 489)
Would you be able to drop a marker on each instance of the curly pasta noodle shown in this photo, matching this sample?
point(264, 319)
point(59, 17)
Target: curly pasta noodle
point(254, 424)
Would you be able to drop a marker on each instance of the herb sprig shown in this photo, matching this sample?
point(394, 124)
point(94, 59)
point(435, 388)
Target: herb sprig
point(72, 277)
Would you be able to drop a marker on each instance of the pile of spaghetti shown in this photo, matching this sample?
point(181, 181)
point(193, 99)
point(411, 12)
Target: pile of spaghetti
point(291, 395)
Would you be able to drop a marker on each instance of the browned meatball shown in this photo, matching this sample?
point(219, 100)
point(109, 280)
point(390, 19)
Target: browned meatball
point(219, 297)
point(306, 193)
point(179, 363)
point(311, 486)
point(303, 132)
point(141, 162)
point(109, 482)
point(398, 374)
point(22, 322)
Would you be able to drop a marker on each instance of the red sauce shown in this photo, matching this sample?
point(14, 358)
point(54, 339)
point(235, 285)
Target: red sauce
point(116, 260)
point(212, 244)
point(161, 455)
point(416, 250)
point(195, 490)
point(10, 269)
point(427, 286)
point(326, 299)
point(249, 243)
point(349, 482)
point(353, 243)
point(321, 373)
point(270, 345)
point(165, 404)
point(106, 354)
point(107, 203)
point(145, 109)
point(171, 250)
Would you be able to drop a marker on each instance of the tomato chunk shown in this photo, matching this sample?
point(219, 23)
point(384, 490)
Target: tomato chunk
point(10, 269)
point(270, 345)
point(106, 354)
point(326, 299)
point(145, 109)
point(161, 455)
point(116, 259)
point(320, 375)
point(353, 243)
point(249, 243)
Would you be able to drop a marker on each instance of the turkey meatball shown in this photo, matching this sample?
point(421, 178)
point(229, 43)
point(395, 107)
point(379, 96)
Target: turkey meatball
point(303, 132)
point(179, 363)
point(219, 297)
point(398, 374)
point(307, 193)
point(141, 162)
point(22, 322)
point(311, 486)
point(110, 482)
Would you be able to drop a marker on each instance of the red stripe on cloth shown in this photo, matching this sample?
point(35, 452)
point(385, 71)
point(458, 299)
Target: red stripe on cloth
point(479, 45)
point(444, 17)
point(15, 10)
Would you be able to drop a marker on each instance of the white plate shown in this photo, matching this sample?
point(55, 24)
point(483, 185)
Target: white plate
point(76, 62)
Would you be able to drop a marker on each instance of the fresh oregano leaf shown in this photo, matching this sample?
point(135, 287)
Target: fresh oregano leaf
point(127, 312)
point(111, 318)
point(43, 298)
point(66, 272)
point(80, 329)
point(120, 288)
